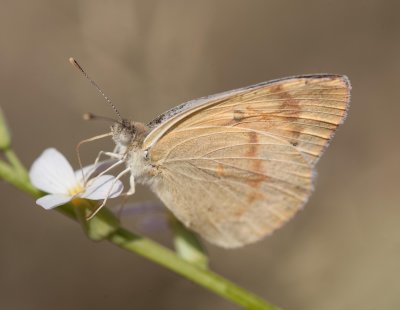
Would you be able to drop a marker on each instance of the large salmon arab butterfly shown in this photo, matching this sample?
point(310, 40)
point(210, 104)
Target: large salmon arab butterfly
point(237, 165)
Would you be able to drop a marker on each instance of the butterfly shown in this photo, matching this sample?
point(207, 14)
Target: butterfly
point(235, 166)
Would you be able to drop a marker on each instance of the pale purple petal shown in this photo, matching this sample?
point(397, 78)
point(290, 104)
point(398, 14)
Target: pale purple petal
point(148, 216)
point(156, 223)
point(140, 208)
point(100, 187)
point(51, 201)
point(52, 173)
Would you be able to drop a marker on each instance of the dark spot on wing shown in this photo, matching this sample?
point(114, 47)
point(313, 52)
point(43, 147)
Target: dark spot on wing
point(238, 115)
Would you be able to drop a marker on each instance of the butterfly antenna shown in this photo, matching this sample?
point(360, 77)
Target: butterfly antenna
point(90, 116)
point(78, 66)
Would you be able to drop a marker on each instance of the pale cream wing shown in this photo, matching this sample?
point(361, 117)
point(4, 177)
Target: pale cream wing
point(237, 167)
point(231, 185)
point(306, 110)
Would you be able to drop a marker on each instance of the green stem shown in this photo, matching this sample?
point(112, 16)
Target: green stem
point(151, 250)
point(15, 162)
point(9, 174)
point(205, 278)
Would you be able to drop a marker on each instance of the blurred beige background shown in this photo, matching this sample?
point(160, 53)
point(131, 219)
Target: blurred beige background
point(341, 252)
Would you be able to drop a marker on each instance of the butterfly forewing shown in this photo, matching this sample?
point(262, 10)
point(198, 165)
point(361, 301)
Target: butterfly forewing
point(237, 166)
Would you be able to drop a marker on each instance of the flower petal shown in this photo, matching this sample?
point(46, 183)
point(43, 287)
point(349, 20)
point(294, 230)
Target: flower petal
point(51, 201)
point(100, 187)
point(52, 173)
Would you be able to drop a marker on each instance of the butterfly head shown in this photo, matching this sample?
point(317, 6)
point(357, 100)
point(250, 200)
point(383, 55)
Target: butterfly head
point(127, 133)
point(124, 132)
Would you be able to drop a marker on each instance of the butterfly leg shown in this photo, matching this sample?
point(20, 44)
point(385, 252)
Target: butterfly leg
point(109, 154)
point(132, 185)
point(119, 162)
point(114, 155)
point(97, 160)
point(119, 176)
point(130, 192)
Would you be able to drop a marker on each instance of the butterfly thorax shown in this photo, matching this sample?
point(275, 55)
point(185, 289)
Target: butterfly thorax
point(128, 137)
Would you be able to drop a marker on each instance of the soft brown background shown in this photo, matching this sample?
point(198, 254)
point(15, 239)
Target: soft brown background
point(341, 252)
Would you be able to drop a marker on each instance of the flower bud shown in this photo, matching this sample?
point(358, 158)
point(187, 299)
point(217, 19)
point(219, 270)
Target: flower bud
point(5, 138)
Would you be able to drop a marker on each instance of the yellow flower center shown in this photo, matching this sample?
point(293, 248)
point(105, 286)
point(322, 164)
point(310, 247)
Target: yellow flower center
point(78, 188)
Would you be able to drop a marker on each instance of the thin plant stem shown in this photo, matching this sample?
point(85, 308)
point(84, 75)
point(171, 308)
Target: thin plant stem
point(16, 163)
point(208, 279)
point(9, 174)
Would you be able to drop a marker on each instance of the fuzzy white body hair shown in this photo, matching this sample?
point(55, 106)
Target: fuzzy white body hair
point(128, 137)
point(140, 167)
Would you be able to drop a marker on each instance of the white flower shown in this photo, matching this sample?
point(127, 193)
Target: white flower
point(53, 174)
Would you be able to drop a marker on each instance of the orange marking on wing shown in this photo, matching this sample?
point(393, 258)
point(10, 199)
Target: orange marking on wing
point(291, 103)
point(238, 213)
point(254, 196)
point(220, 170)
point(253, 139)
point(256, 179)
